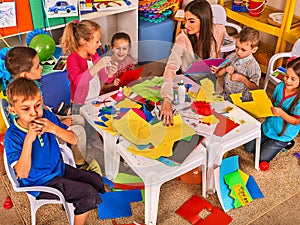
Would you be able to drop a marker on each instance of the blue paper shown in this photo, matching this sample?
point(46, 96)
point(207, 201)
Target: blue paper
point(253, 188)
point(117, 204)
point(228, 165)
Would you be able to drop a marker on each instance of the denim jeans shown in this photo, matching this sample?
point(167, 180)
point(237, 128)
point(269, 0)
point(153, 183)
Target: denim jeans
point(269, 148)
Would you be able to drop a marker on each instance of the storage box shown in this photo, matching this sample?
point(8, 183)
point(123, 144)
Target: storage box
point(155, 40)
point(239, 8)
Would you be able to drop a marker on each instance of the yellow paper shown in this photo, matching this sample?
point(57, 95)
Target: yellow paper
point(210, 119)
point(127, 103)
point(138, 131)
point(207, 92)
point(165, 149)
point(259, 107)
point(108, 123)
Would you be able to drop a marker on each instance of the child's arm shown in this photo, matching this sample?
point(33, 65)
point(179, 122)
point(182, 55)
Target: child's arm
point(277, 111)
point(23, 165)
point(236, 77)
point(66, 135)
point(109, 87)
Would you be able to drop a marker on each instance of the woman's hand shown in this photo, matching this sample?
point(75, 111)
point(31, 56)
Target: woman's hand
point(166, 112)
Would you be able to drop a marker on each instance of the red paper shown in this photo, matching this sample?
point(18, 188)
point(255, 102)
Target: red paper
point(202, 108)
point(7, 204)
point(191, 208)
point(131, 186)
point(224, 126)
point(129, 76)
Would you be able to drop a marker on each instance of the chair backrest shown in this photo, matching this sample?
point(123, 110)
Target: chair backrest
point(4, 112)
point(219, 14)
point(56, 89)
point(296, 48)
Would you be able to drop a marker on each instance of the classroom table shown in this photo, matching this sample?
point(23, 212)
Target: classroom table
point(154, 173)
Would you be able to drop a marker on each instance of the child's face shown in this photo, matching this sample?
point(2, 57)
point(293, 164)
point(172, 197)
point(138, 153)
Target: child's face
point(291, 80)
point(94, 43)
point(121, 49)
point(36, 70)
point(192, 23)
point(28, 110)
point(244, 49)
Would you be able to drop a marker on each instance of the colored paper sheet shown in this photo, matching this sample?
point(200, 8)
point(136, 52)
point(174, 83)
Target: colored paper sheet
point(165, 149)
point(228, 166)
point(127, 103)
point(207, 92)
point(23, 25)
point(129, 76)
point(253, 188)
point(192, 208)
point(140, 132)
point(124, 178)
point(38, 16)
point(203, 66)
point(224, 126)
point(239, 191)
point(259, 107)
point(117, 204)
point(147, 89)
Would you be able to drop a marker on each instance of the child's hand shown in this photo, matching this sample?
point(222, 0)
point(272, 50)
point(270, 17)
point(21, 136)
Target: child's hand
point(34, 130)
point(104, 62)
point(116, 82)
point(67, 121)
point(230, 70)
point(112, 69)
point(235, 77)
point(45, 125)
point(277, 111)
point(214, 69)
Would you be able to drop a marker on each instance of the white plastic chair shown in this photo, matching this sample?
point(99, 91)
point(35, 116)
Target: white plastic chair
point(35, 204)
point(269, 77)
point(219, 17)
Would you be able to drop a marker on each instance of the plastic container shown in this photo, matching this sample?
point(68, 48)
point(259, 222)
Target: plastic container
point(256, 7)
point(181, 92)
point(239, 7)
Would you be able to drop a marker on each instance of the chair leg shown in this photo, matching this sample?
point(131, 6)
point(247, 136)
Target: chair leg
point(69, 208)
point(266, 82)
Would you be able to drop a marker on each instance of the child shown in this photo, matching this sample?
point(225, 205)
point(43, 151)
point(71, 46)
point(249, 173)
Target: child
point(283, 127)
point(80, 41)
point(120, 45)
point(243, 73)
point(32, 150)
point(22, 61)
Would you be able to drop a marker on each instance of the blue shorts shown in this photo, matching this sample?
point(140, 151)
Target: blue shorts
point(79, 187)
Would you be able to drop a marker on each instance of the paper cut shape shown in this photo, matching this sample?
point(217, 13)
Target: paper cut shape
point(191, 208)
point(124, 178)
point(259, 107)
point(224, 126)
point(207, 92)
point(117, 204)
point(203, 66)
point(129, 76)
point(239, 191)
point(127, 103)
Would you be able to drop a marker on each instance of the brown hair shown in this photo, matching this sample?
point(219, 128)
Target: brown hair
point(295, 65)
point(21, 87)
point(120, 35)
point(19, 59)
point(75, 31)
point(202, 45)
point(249, 34)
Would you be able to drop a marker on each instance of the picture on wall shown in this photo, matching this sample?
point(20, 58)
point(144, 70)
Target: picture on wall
point(57, 8)
point(7, 14)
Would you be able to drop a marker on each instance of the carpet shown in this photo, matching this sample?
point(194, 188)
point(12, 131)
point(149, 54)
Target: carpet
point(277, 184)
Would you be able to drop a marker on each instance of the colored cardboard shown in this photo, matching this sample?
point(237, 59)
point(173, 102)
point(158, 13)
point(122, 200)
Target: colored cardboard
point(117, 204)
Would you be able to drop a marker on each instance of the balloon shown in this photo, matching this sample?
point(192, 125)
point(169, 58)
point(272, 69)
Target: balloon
point(44, 45)
point(192, 177)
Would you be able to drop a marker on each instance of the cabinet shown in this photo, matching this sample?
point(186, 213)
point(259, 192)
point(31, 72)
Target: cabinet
point(261, 23)
point(121, 20)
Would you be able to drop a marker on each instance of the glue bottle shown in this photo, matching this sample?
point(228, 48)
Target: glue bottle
point(181, 92)
point(120, 92)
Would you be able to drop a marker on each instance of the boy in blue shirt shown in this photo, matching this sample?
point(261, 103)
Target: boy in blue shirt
point(32, 150)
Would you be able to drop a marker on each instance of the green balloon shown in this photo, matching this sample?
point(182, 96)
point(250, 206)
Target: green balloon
point(44, 45)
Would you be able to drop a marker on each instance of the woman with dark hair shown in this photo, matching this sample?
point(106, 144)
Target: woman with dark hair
point(201, 39)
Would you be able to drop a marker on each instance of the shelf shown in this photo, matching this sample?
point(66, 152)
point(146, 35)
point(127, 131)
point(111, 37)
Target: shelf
point(104, 13)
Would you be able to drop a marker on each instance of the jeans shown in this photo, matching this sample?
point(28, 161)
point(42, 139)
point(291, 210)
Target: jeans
point(269, 148)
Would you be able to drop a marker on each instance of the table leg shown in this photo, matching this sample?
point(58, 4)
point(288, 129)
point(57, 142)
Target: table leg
point(111, 157)
point(151, 203)
point(257, 152)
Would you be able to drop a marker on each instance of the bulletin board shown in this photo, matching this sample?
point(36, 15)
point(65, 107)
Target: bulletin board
point(23, 18)
point(39, 18)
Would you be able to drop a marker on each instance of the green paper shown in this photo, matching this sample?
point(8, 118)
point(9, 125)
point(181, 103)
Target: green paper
point(239, 191)
point(146, 90)
point(38, 16)
point(124, 178)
